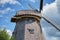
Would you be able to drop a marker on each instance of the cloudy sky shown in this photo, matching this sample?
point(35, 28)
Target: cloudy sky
point(51, 10)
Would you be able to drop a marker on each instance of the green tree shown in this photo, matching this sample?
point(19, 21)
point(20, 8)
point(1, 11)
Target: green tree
point(4, 35)
point(12, 38)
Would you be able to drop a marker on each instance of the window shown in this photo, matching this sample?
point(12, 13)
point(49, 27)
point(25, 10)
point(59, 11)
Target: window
point(31, 31)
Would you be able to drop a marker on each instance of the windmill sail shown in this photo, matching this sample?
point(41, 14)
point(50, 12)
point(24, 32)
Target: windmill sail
point(41, 5)
point(51, 22)
point(31, 6)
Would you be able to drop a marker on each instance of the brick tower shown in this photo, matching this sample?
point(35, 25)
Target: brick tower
point(27, 25)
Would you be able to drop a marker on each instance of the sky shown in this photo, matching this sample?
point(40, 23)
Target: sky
point(51, 10)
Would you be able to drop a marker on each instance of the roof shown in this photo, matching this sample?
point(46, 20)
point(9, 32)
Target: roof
point(32, 12)
point(26, 14)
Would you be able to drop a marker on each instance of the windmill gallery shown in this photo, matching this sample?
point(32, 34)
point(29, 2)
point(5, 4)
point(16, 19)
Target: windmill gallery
point(28, 24)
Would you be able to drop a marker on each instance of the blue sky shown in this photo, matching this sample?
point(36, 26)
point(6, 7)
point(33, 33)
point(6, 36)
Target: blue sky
point(8, 8)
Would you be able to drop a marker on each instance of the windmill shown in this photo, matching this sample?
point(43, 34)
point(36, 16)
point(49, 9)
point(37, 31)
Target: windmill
point(28, 24)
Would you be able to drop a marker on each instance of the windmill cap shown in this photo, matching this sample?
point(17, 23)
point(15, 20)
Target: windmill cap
point(26, 14)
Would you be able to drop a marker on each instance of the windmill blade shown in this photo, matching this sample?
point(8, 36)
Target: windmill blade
point(30, 6)
point(41, 5)
point(51, 22)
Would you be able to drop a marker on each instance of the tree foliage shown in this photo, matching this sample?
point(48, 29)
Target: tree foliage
point(4, 35)
point(12, 38)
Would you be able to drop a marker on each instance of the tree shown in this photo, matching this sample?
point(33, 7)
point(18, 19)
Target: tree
point(12, 38)
point(4, 35)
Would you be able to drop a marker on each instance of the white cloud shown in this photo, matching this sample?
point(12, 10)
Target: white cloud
point(58, 4)
point(53, 38)
point(50, 8)
point(52, 11)
point(33, 1)
point(6, 10)
point(9, 1)
point(9, 32)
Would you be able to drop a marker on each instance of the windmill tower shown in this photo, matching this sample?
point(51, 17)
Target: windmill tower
point(28, 25)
